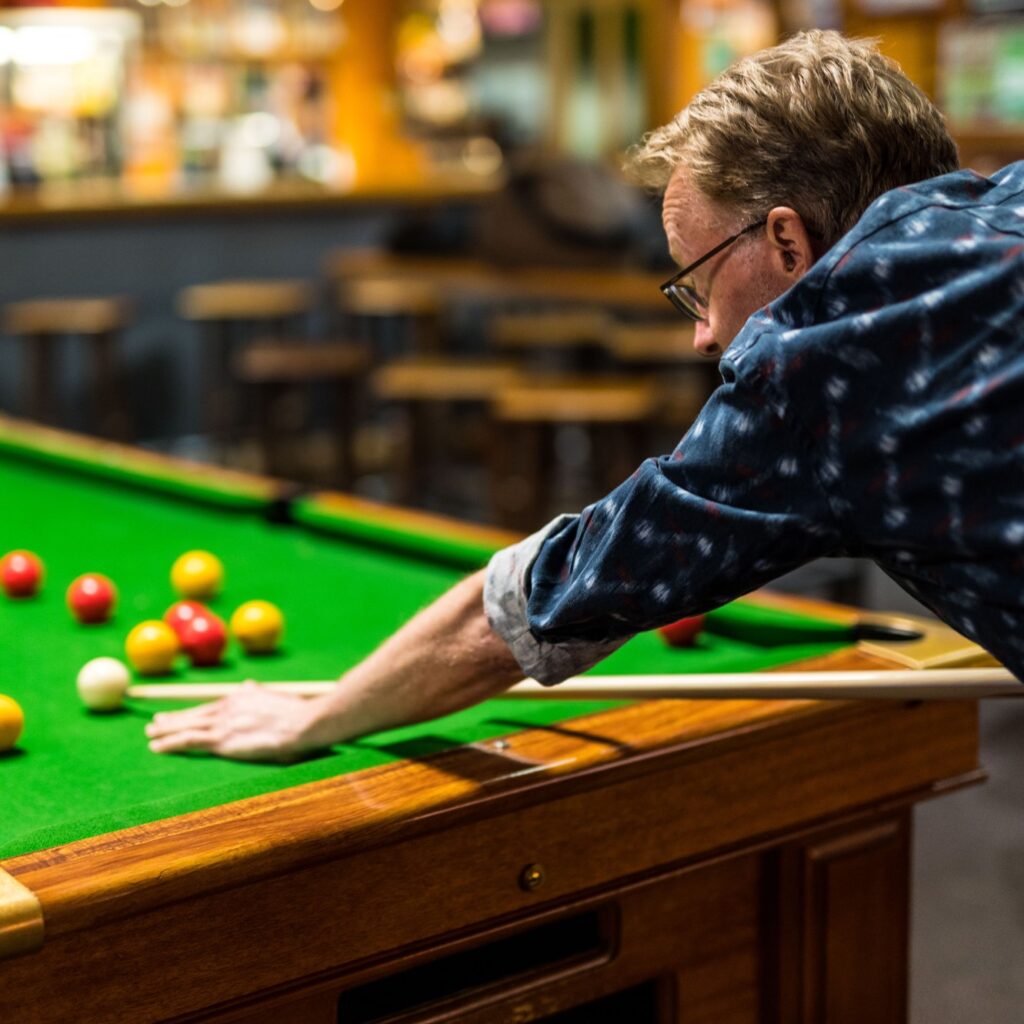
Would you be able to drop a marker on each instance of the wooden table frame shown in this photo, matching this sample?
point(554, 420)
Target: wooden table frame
point(774, 837)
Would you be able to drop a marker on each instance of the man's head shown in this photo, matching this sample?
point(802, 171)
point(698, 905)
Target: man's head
point(803, 136)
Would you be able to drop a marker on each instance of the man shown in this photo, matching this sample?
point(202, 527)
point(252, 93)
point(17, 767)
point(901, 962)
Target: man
point(868, 307)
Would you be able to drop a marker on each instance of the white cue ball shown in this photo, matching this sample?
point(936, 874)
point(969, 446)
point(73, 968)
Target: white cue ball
point(103, 684)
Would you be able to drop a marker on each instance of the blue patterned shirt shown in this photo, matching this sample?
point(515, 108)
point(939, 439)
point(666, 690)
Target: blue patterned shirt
point(875, 409)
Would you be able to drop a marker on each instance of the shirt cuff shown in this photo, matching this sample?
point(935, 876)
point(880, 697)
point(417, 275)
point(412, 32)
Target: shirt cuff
point(506, 593)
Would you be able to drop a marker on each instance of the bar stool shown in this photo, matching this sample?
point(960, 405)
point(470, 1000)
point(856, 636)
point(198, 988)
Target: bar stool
point(654, 344)
point(684, 378)
point(565, 339)
point(426, 389)
point(227, 311)
point(98, 321)
point(341, 265)
point(613, 412)
point(277, 369)
point(394, 314)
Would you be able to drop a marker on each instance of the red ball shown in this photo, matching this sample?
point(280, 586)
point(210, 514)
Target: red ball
point(684, 632)
point(203, 639)
point(181, 613)
point(91, 598)
point(21, 572)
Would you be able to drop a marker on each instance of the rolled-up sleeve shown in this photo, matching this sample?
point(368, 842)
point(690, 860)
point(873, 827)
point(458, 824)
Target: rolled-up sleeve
point(738, 503)
point(506, 594)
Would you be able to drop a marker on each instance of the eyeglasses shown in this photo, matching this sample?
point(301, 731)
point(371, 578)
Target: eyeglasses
point(684, 297)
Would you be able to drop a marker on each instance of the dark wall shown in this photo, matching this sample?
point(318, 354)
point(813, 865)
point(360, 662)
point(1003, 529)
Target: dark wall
point(149, 261)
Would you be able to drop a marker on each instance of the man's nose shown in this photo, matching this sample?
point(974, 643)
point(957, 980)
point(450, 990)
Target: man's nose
point(704, 342)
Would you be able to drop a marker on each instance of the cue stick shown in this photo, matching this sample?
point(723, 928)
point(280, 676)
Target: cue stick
point(899, 684)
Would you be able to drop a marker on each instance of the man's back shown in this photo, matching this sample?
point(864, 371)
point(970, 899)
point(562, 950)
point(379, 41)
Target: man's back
point(876, 409)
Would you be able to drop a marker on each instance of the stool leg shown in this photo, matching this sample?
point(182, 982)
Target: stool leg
point(518, 477)
point(426, 333)
point(219, 411)
point(505, 473)
point(414, 471)
point(543, 448)
point(40, 400)
point(109, 414)
point(344, 434)
point(275, 436)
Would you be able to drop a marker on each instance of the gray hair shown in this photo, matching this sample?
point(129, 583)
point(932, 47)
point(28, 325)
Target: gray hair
point(820, 123)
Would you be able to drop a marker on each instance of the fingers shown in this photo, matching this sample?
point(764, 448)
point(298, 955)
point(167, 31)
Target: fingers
point(186, 740)
point(168, 722)
point(253, 724)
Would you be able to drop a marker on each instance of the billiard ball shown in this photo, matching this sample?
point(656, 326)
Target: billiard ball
point(151, 648)
point(12, 720)
point(183, 612)
point(197, 575)
point(203, 639)
point(102, 684)
point(21, 573)
point(684, 632)
point(258, 626)
point(91, 598)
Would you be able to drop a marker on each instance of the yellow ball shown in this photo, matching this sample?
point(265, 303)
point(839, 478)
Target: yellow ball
point(12, 719)
point(151, 647)
point(197, 575)
point(258, 626)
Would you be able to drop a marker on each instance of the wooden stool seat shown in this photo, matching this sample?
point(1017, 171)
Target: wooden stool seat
point(432, 378)
point(388, 295)
point(554, 329)
point(98, 321)
point(66, 316)
point(654, 344)
point(300, 361)
point(343, 264)
point(245, 300)
point(578, 400)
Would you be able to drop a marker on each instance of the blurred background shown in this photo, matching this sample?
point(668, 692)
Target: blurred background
point(384, 246)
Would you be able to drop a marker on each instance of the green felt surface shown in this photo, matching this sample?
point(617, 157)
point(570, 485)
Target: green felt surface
point(75, 774)
point(364, 528)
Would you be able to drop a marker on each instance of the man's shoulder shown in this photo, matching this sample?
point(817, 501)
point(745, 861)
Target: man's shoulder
point(908, 247)
point(964, 190)
point(896, 269)
point(950, 206)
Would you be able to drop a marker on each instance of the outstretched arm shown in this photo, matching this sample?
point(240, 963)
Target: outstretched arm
point(444, 659)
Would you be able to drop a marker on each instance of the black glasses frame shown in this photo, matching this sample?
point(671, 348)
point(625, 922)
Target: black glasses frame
point(685, 298)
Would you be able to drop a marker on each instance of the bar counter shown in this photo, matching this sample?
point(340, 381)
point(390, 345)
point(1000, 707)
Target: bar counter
point(109, 199)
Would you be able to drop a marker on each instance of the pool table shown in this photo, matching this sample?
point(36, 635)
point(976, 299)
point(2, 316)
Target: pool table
point(571, 863)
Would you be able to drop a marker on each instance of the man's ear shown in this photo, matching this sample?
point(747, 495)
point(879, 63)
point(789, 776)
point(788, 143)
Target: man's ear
point(792, 247)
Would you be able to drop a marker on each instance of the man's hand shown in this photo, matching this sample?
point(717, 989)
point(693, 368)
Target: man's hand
point(254, 724)
point(443, 660)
